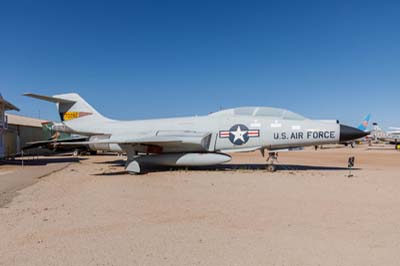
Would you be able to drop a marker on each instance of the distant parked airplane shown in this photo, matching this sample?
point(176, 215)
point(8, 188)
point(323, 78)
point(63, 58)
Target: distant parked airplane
point(364, 124)
point(55, 141)
point(392, 136)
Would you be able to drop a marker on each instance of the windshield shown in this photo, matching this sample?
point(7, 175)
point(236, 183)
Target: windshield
point(261, 112)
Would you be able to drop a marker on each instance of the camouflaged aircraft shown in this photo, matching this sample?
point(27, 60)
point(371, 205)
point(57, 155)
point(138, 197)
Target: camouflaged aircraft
point(197, 140)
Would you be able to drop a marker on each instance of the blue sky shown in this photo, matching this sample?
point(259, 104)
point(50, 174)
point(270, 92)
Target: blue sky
point(148, 59)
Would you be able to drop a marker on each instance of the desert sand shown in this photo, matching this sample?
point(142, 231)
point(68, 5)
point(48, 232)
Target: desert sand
point(307, 213)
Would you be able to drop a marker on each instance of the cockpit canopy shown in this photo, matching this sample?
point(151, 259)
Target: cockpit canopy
point(268, 112)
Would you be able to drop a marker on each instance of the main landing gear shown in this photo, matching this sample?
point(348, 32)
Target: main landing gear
point(133, 167)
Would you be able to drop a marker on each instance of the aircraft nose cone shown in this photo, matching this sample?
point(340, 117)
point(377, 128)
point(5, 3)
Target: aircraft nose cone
point(350, 133)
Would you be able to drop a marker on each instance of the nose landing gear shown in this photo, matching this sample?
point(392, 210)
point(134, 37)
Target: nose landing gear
point(272, 158)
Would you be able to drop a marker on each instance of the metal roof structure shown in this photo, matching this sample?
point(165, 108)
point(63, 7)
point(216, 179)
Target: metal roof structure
point(7, 105)
point(24, 121)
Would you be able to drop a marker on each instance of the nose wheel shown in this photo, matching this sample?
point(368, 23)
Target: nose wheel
point(272, 158)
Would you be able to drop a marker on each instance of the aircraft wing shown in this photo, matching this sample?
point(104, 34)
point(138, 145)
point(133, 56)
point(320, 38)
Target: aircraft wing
point(152, 141)
point(390, 140)
point(195, 140)
point(393, 131)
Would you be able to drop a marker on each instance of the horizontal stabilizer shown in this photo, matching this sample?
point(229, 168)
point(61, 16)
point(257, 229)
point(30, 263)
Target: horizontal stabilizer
point(48, 98)
point(42, 143)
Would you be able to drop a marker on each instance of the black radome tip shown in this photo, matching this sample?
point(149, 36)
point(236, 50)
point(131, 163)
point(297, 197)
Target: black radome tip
point(350, 133)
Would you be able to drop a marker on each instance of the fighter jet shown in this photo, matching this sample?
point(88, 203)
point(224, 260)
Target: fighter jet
point(197, 140)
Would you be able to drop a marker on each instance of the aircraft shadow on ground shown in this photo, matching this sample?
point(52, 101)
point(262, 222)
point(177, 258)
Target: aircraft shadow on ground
point(113, 162)
point(41, 161)
point(262, 167)
point(231, 167)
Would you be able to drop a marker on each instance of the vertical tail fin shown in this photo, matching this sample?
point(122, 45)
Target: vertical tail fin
point(51, 133)
point(47, 130)
point(74, 107)
point(364, 124)
point(71, 106)
point(376, 127)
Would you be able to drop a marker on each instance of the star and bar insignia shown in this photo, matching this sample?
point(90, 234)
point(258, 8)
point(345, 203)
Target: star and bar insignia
point(239, 134)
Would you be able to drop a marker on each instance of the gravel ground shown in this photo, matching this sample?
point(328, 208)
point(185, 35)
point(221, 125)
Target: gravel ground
point(307, 213)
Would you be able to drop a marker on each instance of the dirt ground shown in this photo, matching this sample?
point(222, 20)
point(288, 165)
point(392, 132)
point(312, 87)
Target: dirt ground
point(18, 174)
point(308, 213)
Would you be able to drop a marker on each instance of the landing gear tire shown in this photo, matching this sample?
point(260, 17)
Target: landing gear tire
point(135, 173)
point(133, 168)
point(76, 152)
point(271, 168)
point(272, 157)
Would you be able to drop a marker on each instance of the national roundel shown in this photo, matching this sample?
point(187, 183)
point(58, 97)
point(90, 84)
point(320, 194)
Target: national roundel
point(239, 134)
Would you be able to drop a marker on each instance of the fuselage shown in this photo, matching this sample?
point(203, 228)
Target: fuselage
point(228, 132)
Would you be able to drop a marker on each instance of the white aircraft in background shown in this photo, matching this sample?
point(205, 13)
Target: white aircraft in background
point(392, 136)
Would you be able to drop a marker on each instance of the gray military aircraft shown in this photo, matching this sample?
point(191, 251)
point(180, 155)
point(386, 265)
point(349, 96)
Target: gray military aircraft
point(198, 140)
